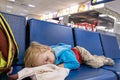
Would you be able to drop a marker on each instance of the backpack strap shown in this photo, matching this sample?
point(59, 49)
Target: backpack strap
point(2, 61)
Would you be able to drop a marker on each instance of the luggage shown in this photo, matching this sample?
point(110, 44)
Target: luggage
point(8, 45)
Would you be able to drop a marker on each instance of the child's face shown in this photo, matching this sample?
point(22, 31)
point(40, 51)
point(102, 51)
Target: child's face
point(46, 58)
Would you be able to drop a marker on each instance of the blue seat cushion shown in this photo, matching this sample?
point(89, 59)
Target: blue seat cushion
point(50, 33)
point(89, 40)
point(115, 68)
point(88, 73)
point(110, 46)
point(17, 68)
point(111, 49)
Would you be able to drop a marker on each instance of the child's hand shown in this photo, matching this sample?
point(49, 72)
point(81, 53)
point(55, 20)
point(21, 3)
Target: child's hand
point(10, 71)
point(60, 65)
point(12, 77)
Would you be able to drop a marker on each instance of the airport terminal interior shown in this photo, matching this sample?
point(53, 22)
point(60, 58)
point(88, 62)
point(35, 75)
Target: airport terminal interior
point(90, 17)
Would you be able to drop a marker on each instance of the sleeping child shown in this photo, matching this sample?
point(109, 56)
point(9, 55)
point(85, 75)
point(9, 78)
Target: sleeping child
point(62, 55)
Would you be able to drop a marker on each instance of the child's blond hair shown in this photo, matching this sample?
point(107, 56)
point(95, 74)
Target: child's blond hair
point(33, 51)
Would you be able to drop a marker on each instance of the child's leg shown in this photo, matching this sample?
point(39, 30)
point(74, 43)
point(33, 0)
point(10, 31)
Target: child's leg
point(110, 62)
point(102, 60)
point(106, 61)
point(91, 60)
point(86, 55)
point(95, 63)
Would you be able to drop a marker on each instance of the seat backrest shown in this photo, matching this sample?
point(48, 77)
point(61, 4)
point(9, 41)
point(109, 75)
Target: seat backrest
point(17, 24)
point(89, 40)
point(49, 33)
point(110, 46)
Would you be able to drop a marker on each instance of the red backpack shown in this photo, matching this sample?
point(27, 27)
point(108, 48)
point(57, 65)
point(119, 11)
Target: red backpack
point(8, 46)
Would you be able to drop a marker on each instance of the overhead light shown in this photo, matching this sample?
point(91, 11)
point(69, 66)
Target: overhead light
point(25, 10)
point(30, 5)
point(9, 6)
point(23, 14)
point(112, 17)
point(8, 11)
point(118, 22)
point(61, 18)
point(101, 27)
point(69, 15)
point(12, 0)
point(102, 15)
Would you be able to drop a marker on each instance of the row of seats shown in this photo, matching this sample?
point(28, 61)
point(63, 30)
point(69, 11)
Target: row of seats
point(50, 34)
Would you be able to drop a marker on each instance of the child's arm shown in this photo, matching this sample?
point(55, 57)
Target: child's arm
point(12, 77)
point(69, 60)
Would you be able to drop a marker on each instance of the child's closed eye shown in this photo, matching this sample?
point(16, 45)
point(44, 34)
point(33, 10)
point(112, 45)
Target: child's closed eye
point(46, 59)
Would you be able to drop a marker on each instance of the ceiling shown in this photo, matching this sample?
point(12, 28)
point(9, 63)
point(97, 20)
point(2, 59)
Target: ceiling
point(20, 7)
point(40, 7)
point(113, 5)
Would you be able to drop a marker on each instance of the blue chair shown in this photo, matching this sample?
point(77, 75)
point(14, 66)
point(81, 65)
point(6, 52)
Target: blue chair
point(49, 33)
point(88, 73)
point(90, 41)
point(111, 49)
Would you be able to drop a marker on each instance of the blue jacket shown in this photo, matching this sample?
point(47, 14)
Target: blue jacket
point(65, 55)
